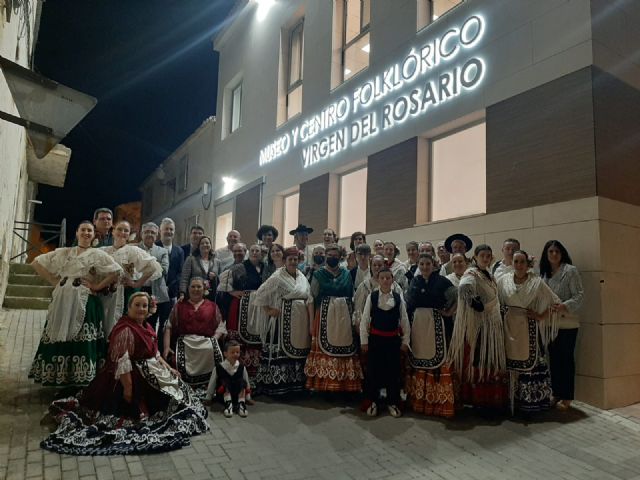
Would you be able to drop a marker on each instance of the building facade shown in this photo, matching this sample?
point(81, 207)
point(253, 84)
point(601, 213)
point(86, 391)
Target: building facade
point(180, 187)
point(416, 119)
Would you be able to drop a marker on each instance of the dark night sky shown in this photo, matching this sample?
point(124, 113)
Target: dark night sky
point(151, 65)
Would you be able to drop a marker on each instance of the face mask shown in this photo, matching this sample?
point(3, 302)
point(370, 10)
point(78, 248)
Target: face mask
point(318, 259)
point(333, 262)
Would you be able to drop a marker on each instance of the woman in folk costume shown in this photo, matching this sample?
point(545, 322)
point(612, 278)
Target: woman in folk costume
point(135, 262)
point(136, 404)
point(411, 264)
point(397, 267)
point(73, 345)
point(192, 336)
point(275, 260)
point(357, 239)
point(333, 364)
point(459, 266)
point(477, 349)
point(245, 320)
point(286, 337)
point(431, 302)
point(530, 324)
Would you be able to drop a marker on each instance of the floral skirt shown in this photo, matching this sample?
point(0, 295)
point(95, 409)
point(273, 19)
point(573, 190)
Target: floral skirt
point(75, 361)
point(431, 391)
point(326, 373)
point(531, 390)
point(173, 415)
point(278, 373)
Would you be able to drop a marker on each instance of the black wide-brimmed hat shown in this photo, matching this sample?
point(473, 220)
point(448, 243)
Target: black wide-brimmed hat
point(267, 228)
point(458, 236)
point(301, 229)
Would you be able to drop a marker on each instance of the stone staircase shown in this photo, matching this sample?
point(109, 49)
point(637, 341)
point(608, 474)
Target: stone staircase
point(26, 290)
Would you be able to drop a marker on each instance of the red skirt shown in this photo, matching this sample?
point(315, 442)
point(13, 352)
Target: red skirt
point(326, 373)
point(488, 391)
point(431, 391)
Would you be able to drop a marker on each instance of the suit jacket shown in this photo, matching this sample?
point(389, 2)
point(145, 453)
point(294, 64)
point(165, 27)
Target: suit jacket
point(186, 250)
point(176, 259)
point(159, 287)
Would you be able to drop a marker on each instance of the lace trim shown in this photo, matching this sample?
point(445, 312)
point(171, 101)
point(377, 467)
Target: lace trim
point(124, 365)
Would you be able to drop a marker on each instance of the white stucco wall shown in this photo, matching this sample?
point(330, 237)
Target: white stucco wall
point(16, 45)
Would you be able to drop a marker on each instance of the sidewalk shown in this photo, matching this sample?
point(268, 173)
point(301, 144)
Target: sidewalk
point(318, 439)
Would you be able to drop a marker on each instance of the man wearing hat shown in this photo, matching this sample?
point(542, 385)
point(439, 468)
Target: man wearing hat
point(301, 241)
point(267, 234)
point(456, 243)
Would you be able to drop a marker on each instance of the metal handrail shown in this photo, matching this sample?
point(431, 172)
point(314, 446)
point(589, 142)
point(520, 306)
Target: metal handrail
point(57, 232)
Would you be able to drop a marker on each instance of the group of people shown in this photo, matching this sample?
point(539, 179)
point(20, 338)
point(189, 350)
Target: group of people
point(154, 329)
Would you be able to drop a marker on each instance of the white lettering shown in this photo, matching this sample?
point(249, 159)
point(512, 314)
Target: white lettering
point(275, 150)
point(321, 135)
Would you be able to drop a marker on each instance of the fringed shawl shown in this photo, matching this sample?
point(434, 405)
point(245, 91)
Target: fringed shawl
point(472, 327)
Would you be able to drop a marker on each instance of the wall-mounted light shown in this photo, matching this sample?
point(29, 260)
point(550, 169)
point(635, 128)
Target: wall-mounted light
point(207, 195)
point(228, 185)
point(263, 8)
point(160, 174)
point(366, 48)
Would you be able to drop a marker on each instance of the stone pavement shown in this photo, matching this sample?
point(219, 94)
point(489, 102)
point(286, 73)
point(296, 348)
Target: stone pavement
point(314, 438)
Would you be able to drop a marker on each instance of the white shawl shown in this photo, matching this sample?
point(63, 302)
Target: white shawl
point(278, 287)
point(535, 295)
point(471, 326)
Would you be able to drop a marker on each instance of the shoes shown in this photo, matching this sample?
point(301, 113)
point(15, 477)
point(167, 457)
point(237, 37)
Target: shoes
point(372, 411)
point(228, 409)
point(242, 409)
point(394, 411)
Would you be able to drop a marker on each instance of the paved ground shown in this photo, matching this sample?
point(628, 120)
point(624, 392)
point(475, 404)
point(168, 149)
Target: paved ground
point(318, 439)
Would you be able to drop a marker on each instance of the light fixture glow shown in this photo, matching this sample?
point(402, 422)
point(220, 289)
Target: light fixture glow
point(435, 17)
point(346, 72)
point(229, 184)
point(366, 48)
point(263, 8)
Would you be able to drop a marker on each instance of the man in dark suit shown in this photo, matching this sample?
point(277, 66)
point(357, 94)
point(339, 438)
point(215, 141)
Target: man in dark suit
point(176, 256)
point(194, 238)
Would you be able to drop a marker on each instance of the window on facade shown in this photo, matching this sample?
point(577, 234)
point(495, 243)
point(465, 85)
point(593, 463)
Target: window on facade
point(353, 202)
point(459, 174)
point(356, 15)
point(295, 70)
point(291, 206)
point(169, 191)
point(183, 174)
point(430, 10)
point(236, 108)
point(224, 223)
